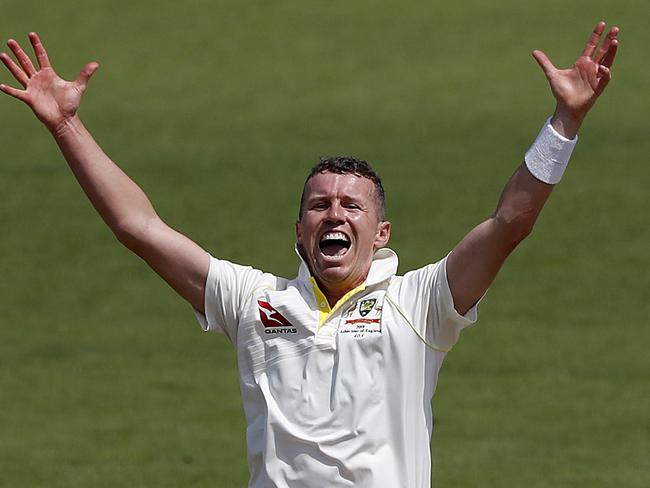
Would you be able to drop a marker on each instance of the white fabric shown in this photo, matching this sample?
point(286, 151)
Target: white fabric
point(549, 155)
point(347, 404)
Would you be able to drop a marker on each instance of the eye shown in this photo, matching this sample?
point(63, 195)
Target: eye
point(353, 206)
point(318, 206)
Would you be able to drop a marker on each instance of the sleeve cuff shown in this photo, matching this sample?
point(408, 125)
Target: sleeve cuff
point(209, 306)
point(471, 316)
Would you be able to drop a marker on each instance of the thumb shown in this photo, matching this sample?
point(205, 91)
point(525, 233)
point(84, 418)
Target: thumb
point(544, 63)
point(85, 74)
point(604, 77)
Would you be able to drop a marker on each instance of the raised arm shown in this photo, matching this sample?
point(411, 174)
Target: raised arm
point(120, 202)
point(476, 260)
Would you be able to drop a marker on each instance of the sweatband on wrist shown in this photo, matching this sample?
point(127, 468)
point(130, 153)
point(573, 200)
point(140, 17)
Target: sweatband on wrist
point(549, 155)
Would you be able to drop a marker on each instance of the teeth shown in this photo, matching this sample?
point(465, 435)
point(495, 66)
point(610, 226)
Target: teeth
point(335, 236)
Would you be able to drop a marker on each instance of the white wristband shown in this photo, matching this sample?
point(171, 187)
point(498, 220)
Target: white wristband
point(549, 155)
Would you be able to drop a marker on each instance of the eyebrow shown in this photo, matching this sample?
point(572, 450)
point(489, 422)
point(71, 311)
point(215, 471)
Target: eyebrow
point(324, 196)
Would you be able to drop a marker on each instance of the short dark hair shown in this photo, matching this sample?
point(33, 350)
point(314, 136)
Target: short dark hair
point(343, 165)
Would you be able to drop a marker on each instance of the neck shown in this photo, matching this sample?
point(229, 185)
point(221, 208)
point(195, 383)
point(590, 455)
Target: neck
point(334, 293)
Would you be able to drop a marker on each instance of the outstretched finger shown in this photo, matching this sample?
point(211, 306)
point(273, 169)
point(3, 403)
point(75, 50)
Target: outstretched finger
point(19, 94)
point(39, 50)
point(18, 73)
point(22, 58)
point(544, 63)
point(608, 60)
point(607, 43)
point(593, 39)
point(85, 74)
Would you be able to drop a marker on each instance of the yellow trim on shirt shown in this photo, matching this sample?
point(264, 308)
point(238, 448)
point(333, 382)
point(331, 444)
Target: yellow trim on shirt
point(323, 305)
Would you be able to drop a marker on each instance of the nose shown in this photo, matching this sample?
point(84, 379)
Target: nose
point(335, 212)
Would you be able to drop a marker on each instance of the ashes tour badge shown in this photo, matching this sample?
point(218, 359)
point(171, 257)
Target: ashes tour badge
point(363, 319)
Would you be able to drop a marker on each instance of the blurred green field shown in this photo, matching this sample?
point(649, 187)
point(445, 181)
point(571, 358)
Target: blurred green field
point(218, 109)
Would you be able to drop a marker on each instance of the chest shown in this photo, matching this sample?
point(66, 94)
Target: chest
point(283, 335)
point(361, 365)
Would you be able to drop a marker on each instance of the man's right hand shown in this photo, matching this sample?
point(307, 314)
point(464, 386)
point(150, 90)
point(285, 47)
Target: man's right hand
point(53, 99)
point(119, 200)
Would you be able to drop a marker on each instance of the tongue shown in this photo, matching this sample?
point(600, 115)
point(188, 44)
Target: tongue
point(332, 248)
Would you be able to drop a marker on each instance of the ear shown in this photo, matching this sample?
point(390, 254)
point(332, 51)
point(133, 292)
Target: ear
point(383, 234)
point(298, 232)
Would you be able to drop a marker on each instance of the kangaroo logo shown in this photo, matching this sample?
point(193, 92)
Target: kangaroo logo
point(271, 317)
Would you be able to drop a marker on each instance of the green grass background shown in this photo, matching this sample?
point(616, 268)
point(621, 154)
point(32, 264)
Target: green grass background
point(218, 109)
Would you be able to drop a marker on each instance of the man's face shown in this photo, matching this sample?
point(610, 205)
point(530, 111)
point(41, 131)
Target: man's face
point(340, 230)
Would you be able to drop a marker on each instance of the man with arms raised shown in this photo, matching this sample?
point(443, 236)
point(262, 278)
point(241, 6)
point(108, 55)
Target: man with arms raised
point(337, 366)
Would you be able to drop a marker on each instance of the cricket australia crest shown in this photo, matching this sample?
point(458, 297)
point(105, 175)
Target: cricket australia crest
point(365, 306)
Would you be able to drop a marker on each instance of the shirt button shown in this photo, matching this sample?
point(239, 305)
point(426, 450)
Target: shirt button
point(322, 304)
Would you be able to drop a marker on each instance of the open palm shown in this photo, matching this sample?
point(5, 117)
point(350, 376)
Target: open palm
point(577, 88)
point(53, 99)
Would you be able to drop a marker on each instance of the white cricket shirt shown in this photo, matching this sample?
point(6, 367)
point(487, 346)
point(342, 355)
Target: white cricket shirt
point(340, 397)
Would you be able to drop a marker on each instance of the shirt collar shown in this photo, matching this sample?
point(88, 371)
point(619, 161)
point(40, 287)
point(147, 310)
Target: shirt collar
point(384, 266)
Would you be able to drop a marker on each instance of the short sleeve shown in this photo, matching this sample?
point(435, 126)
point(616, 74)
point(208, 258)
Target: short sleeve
point(227, 287)
point(426, 297)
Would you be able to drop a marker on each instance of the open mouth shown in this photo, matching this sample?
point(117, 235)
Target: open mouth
point(334, 244)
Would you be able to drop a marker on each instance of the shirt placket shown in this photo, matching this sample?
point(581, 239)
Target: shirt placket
point(326, 333)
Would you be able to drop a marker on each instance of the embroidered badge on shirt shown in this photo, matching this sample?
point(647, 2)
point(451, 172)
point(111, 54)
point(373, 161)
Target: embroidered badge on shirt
point(365, 306)
point(364, 317)
point(273, 321)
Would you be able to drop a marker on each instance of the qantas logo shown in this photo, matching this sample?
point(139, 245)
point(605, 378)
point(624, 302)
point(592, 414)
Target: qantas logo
point(273, 321)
